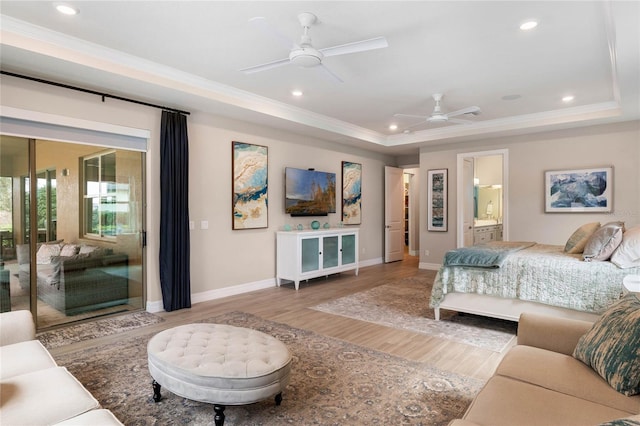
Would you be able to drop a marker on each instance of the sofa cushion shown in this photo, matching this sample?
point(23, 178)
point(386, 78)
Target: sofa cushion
point(43, 397)
point(45, 252)
point(576, 242)
point(504, 401)
point(564, 374)
point(100, 417)
point(69, 249)
point(612, 346)
point(603, 242)
point(24, 357)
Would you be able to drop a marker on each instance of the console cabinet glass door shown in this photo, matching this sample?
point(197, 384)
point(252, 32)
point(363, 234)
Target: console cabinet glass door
point(310, 251)
point(330, 252)
point(348, 249)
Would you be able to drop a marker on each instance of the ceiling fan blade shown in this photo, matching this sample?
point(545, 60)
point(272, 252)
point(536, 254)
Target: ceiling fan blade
point(356, 46)
point(328, 73)
point(424, 117)
point(264, 67)
point(263, 25)
point(460, 121)
point(409, 128)
point(468, 110)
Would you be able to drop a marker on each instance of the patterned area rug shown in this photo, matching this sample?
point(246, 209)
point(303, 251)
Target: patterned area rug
point(404, 304)
point(100, 328)
point(332, 383)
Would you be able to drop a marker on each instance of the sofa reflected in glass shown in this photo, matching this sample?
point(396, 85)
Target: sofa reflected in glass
point(76, 278)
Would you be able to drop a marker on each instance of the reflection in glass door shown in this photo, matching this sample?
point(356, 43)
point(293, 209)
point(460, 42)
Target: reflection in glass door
point(85, 257)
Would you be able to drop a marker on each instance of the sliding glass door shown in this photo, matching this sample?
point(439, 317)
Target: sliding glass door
point(84, 257)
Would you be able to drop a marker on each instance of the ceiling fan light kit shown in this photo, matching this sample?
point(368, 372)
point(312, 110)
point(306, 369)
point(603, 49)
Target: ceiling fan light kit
point(304, 54)
point(438, 116)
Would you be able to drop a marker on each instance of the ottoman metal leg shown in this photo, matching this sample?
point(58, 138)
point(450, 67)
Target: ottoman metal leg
point(279, 398)
point(219, 417)
point(156, 391)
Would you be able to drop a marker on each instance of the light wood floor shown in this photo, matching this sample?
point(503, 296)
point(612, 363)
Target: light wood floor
point(285, 305)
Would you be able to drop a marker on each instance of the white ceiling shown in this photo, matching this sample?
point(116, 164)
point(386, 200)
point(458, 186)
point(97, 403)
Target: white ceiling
point(186, 55)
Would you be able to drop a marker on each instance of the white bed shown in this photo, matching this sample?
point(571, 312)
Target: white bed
point(541, 278)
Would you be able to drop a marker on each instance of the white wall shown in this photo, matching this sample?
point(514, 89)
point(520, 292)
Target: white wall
point(221, 258)
point(616, 145)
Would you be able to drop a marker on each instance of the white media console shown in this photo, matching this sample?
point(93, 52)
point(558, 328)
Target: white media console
point(302, 255)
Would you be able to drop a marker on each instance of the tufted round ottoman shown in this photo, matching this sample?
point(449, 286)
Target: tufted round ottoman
point(218, 364)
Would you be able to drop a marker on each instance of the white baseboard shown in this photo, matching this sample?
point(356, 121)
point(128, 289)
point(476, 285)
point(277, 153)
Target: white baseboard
point(429, 266)
point(219, 293)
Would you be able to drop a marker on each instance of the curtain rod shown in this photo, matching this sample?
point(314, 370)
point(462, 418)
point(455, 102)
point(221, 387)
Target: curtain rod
point(93, 92)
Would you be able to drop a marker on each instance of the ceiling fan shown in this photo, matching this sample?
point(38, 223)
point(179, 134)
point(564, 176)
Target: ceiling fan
point(304, 54)
point(438, 116)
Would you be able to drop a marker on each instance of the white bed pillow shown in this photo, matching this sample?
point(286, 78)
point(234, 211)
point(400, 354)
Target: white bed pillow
point(577, 240)
point(603, 242)
point(627, 255)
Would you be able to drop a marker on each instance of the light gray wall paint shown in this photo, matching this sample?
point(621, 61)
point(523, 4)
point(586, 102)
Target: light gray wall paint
point(616, 145)
point(221, 257)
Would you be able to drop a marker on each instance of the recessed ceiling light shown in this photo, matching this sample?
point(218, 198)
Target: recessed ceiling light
point(529, 25)
point(66, 9)
point(568, 98)
point(393, 127)
point(297, 93)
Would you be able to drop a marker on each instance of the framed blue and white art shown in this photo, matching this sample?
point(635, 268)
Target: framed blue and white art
point(580, 190)
point(250, 186)
point(351, 193)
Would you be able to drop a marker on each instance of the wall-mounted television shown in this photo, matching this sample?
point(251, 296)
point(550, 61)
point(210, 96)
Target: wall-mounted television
point(309, 192)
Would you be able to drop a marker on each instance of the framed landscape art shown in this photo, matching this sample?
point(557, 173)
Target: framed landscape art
point(437, 200)
point(580, 190)
point(250, 184)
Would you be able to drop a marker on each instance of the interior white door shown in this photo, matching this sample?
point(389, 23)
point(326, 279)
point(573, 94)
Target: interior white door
point(393, 214)
point(467, 224)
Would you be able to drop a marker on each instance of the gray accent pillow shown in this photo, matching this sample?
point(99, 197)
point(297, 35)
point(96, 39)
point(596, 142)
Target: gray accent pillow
point(603, 242)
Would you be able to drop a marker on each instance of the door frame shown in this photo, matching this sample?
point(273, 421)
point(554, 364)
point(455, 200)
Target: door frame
point(460, 191)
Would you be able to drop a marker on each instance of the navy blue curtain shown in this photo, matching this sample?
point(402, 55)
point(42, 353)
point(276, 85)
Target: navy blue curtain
point(175, 274)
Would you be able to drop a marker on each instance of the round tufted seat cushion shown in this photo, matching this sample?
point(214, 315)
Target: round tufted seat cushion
point(219, 364)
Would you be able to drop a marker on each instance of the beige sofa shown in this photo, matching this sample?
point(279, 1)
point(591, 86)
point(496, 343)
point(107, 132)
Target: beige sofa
point(539, 382)
point(34, 390)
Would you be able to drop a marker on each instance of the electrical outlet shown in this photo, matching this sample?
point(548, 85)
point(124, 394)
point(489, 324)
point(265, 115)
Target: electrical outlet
point(426, 252)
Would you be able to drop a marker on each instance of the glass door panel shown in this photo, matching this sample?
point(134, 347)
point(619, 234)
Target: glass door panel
point(330, 252)
point(14, 168)
point(348, 249)
point(310, 254)
point(94, 266)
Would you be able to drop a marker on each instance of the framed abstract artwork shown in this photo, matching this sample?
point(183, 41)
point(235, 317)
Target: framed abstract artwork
point(250, 184)
point(579, 191)
point(437, 200)
point(351, 193)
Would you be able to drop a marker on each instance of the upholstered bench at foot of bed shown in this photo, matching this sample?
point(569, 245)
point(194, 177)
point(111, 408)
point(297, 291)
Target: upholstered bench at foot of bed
point(219, 364)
